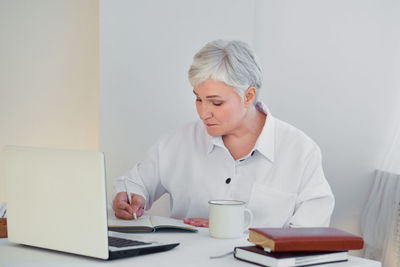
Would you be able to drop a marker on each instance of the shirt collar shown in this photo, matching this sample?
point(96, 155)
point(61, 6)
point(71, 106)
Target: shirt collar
point(266, 141)
point(214, 141)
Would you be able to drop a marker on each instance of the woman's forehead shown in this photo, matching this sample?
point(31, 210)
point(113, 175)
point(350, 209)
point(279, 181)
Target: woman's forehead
point(211, 88)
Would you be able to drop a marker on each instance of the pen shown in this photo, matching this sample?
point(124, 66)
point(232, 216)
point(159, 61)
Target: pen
point(129, 198)
point(3, 210)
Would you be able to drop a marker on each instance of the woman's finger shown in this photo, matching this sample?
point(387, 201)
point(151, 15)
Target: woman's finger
point(122, 205)
point(199, 222)
point(123, 214)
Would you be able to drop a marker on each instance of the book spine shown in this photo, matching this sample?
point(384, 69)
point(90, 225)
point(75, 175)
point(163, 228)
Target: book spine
point(318, 245)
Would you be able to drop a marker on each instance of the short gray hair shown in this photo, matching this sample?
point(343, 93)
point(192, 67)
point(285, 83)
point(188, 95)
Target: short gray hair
point(231, 62)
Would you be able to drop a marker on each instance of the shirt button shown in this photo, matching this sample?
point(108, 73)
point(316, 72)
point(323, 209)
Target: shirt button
point(228, 180)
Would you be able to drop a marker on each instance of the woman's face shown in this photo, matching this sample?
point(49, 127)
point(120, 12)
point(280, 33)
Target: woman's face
point(219, 107)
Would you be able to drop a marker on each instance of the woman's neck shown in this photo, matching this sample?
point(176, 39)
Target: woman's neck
point(242, 141)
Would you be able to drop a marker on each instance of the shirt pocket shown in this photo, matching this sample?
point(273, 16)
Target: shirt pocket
point(271, 207)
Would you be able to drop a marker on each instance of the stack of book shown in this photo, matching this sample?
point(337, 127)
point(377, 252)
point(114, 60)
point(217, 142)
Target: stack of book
point(281, 247)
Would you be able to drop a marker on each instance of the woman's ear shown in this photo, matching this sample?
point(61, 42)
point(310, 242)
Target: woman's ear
point(250, 96)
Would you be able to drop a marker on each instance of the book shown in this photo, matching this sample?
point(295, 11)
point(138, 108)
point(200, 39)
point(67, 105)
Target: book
point(304, 239)
point(3, 227)
point(148, 224)
point(257, 255)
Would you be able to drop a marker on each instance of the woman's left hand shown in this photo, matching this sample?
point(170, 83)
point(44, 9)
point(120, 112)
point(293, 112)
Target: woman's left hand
point(199, 222)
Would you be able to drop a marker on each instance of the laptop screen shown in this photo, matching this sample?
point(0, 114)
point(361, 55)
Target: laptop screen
point(56, 199)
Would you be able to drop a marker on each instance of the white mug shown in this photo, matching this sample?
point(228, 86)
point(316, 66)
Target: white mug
point(227, 218)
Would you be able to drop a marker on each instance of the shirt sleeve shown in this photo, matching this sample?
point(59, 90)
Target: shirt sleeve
point(315, 201)
point(143, 179)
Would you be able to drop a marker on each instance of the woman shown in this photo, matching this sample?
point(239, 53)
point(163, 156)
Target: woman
point(237, 150)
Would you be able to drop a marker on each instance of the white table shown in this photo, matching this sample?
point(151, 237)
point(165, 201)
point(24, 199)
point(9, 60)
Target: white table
point(194, 250)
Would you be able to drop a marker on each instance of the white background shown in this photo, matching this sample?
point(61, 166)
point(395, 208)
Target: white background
point(48, 75)
point(330, 68)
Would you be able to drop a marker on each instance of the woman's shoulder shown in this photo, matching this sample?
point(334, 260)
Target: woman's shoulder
point(286, 134)
point(292, 136)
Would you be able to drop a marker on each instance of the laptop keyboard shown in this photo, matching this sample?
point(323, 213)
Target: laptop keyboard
point(122, 242)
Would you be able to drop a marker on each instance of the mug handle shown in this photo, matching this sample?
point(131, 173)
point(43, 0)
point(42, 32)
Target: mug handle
point(250, 219)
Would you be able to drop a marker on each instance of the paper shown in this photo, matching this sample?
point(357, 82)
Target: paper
point(148, 223)
point(166, 221)
point(3, 210)
point(143, 220)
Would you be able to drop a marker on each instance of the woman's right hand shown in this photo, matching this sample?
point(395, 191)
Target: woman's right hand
point(124, 210)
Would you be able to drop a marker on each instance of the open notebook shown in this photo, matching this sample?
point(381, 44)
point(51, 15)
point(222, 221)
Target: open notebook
point(148, 223)
point(66, 208)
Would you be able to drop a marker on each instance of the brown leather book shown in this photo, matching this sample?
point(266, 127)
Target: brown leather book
point(3, 227)
point(304, 239)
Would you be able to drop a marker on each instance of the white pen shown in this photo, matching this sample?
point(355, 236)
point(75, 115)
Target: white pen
point(3, 209)
point(129, 198)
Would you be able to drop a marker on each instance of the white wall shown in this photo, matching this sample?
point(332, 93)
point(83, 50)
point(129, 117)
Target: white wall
point(146, 48)
point(48, 74)
point(330, 68)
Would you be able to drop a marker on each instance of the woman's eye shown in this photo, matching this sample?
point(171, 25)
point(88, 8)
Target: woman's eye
point(217, 104)
point(198, 100)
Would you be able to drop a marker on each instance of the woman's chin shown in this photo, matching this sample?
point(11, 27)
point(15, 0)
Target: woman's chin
point(213, 132)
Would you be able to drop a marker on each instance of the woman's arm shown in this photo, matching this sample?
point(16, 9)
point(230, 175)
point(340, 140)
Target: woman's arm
point(143, 180)
point(315, 201)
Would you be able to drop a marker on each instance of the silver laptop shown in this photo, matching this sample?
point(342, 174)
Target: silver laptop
point(56, 199)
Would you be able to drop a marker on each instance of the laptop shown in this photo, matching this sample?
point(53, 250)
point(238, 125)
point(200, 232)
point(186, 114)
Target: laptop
point(56, 199)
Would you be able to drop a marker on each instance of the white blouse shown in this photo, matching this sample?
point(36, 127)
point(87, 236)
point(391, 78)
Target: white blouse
point(281, 179)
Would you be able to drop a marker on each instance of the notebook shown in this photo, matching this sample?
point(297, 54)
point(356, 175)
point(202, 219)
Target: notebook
point(148, 224)
point(56, 199)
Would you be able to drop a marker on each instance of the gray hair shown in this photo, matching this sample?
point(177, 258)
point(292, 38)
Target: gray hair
point(231, 62)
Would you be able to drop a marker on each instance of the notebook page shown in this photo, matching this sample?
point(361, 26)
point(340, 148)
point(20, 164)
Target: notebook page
point(166, 221)
point(141, 221)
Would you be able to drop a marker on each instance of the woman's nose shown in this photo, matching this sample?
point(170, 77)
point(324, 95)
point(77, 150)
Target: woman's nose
point(204, 113)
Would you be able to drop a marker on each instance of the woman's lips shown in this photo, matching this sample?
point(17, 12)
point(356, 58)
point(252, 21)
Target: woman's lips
point(210, 124)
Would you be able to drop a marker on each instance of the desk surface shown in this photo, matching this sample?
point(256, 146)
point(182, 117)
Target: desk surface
point(194, 250)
